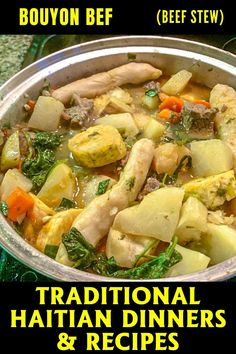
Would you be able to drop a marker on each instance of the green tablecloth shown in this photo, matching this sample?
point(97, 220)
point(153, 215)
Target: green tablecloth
point(20, 50)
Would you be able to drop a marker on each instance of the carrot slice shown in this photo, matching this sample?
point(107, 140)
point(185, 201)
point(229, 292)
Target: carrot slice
point(173, 103)
point(203, 102)
point(19, 202)
point(169, 116)
point(31, 103)
point(162, 96)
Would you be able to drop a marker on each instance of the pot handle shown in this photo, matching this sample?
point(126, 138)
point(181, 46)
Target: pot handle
point(230, 46)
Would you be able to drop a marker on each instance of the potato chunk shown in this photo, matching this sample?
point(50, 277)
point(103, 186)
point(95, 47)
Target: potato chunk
point(156, 216)
point(219, 242)
point(11, 152)
point(210, 157)
point(153, 130)
point(11, 180)
point(47, 113)
point(193, 221)
point(191, 262)
point(59, 184)
point(97, 146)
point(177, 83)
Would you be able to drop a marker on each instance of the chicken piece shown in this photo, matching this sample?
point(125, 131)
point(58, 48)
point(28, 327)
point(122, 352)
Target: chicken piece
point(95, 85)
point(95, 221)
point(35, 219)
point(223, 97)
point(53, 230)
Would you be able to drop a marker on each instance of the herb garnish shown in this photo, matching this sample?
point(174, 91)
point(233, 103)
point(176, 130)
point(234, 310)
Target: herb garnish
point(41, 156)
point(102, 187)
point(51, 251)
point(130, 183)
point(4, 208)
point(179, 131)
point(151, 93)
point(66, 204)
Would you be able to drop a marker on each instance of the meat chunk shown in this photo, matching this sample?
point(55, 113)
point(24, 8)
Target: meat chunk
point(202, 117)
point(223, 97)
point(80, 114)
point(95, 221)
point(153, 85)
point(96, 85)
point(151, 185)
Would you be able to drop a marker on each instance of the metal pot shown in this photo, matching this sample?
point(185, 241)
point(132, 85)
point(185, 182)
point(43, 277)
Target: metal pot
point(208, 64)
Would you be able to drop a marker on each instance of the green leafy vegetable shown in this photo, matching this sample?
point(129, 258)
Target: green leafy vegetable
point(179, 132)
point(79, 250)
point(66, 204)
point(85, 257)
point(130, 183)
point(7, 125)
point(37, 168)
point(187, 119)
point(4, 208)
point(151, 93)
point(155, 268)
point(51, 251)
point(84, 254)
point(41, 157)
point(47, 140)
point(104, 266)
point(102, 187)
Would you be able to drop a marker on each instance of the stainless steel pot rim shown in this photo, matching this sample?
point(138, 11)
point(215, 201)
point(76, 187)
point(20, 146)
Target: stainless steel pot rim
point(26, 253)
point(132, 42)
